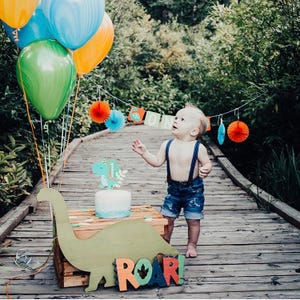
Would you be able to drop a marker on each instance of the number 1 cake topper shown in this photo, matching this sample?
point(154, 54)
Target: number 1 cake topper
point(111, 176)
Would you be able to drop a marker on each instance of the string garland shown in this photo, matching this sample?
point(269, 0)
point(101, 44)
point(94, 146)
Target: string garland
point(219, 116)
point(114, 97)
point(236, 110)
point(237, 131)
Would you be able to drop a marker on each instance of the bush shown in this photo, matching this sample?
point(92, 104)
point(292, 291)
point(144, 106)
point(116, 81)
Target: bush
point(280, 176)
point(14, 179)
point(235, 54)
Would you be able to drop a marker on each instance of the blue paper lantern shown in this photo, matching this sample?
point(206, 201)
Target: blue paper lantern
point(221, 133)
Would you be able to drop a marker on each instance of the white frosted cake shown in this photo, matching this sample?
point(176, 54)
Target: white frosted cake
point(112, 203)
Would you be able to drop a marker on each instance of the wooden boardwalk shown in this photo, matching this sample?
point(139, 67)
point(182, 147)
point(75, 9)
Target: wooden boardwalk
point(244, 252)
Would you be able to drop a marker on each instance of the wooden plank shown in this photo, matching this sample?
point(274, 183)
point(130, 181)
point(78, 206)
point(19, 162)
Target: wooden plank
point(235, 295)
point(190, 271)
point(200, 287)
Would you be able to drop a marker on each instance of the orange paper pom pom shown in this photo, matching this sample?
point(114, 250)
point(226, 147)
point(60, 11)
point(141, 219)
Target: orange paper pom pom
point(100, 111)
point(209, 124)
point(238, 131)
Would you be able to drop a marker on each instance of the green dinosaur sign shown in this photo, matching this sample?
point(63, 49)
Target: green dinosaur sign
point(132, 239)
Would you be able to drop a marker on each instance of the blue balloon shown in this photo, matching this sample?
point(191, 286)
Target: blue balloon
point(37, 28)
point(73, 22)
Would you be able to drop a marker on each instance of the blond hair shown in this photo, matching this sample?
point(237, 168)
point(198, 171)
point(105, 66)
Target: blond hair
point(204, 122)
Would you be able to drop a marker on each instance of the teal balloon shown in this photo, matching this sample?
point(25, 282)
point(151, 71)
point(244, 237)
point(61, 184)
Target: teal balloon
point(46, 71)
point(73, 22)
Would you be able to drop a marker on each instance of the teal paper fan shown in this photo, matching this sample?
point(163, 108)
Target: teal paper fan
point(116, 120)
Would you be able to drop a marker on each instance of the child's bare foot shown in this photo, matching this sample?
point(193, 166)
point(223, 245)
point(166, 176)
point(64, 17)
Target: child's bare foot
point(191, 251)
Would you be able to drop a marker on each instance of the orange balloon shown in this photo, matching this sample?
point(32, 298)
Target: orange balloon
point(16, 13)
point(94, 51)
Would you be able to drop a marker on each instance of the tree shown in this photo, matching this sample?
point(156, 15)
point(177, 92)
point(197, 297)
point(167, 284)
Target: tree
point(251, 51)
point(189, 12)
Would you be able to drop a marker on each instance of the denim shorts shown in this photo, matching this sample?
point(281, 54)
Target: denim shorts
point(189, 196)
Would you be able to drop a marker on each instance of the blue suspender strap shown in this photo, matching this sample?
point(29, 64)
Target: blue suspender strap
point(167, 159)
point(195, 156)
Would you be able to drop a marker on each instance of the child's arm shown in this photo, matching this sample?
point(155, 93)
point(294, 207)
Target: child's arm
point(205, 162)
point(153, 160)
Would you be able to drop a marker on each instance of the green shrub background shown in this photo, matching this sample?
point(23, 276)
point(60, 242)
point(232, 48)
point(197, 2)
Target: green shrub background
point(217, 54)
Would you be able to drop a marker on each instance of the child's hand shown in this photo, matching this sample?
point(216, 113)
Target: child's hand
point(203, 172)
point(139, 147)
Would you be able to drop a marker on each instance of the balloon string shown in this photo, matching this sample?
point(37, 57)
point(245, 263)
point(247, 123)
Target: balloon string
point(69, 132)
point(46, 164)
point(32, 128)
point(36, 271)
point(64, 129)
point(63, 138)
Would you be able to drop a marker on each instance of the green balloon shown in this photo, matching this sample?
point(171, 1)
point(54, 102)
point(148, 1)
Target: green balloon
point(46, 71)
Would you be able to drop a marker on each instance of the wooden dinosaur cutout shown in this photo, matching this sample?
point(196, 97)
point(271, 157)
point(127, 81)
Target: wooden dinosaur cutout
point(133, 239)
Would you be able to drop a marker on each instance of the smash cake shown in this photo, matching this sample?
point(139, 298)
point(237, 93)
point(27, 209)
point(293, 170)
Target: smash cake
point(112, 203)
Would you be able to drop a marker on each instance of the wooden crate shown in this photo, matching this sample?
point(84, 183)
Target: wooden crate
point(67, 275)
point(86, 224)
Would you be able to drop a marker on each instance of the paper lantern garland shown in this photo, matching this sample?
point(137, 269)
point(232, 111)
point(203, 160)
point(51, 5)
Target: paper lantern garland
point(99, 111)
point(116, 120)
point(238, 131)
point(138, 115)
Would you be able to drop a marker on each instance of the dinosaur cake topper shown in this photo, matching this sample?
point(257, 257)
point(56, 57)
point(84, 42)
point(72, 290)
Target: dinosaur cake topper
point(111, 176)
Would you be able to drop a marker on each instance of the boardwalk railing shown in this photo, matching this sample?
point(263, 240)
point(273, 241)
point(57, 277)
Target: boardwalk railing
point(263, 198)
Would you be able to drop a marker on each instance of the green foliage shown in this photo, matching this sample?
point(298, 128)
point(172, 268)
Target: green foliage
point(147, 65)
point(281, 176)
point(190, 12)
point(12, 112)
point(14, 179)
point(162, 57)
point(251, 51)
point(250, 43)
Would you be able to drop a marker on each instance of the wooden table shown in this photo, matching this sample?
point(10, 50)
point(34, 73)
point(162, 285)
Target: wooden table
point(85, 223)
